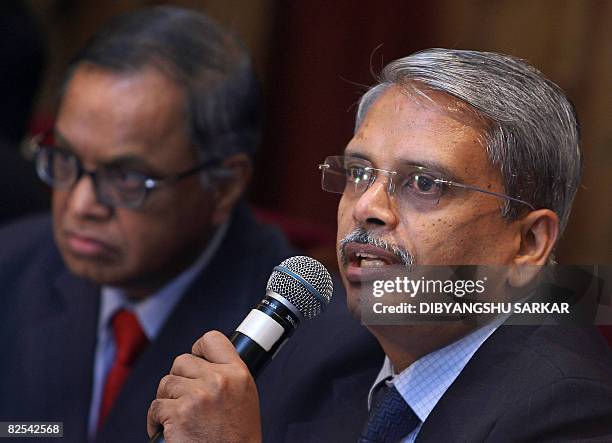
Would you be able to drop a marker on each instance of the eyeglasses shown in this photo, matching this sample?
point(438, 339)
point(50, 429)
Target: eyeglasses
point(413, 185)
point(114, 185)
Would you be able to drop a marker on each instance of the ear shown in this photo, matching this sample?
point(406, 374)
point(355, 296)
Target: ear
point(229, 188)
point(539, 231)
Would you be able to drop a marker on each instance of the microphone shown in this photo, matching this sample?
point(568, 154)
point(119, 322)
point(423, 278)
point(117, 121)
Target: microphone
point(299, 289)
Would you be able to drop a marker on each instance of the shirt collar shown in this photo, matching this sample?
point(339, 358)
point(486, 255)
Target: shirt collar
point(425, 381)
point(153, 311)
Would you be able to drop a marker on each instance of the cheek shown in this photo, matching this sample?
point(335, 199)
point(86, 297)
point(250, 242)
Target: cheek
point(146, 233)
point(459, 240)
point(345, 225)
point(344, 217)
point(59, 204)
point(448, 243)
point(166, 230)
point(152, 245)
point(59, 200)
point(136, 232)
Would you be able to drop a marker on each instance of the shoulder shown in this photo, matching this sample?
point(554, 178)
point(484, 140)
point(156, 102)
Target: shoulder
point(558, 352)
point(23, 239)
point(245, 234)
point(522, 360)
point(29, 264)
point(28, 254)
point(558, 386)
point(566, 390)
point(529, 383)
point(252, 248)
point(23, 229)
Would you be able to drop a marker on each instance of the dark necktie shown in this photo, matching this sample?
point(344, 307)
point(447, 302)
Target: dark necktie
point(130, 340)
point(390, 419)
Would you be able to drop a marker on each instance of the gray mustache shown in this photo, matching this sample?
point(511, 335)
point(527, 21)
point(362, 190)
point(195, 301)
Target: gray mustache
point(362, 236)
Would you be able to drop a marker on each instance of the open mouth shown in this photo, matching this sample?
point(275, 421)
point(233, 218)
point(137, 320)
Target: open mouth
point(365, 262)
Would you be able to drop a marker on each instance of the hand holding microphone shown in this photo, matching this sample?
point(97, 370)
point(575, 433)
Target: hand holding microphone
point(210, 395)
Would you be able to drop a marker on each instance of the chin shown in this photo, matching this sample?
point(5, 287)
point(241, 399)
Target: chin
point(99, 273)
point(353, 302)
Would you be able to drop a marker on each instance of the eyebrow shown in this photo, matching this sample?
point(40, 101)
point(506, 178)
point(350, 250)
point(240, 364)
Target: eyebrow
point(58, 137)
point(357, 155)
point(136, 163)
point(433, 166)
point(443, 170)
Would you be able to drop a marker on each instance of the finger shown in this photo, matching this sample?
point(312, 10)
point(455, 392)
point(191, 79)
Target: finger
point(158, 415)
point(190, 366)
point(174, 387)
point(216, 348)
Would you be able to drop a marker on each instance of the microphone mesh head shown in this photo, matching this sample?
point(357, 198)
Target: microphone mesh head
point(299, 295)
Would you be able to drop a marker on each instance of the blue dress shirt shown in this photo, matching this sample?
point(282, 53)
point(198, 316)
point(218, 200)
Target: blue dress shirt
point(425, 381)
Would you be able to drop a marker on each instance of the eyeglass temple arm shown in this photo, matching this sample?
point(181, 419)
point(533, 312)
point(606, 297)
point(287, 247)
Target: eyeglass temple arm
point(484, 191)
point(152, 183)
point(32, 146)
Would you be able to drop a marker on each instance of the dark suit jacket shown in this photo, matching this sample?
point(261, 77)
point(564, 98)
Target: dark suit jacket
point(525, 384)
point(316, 390)
point(49, 318)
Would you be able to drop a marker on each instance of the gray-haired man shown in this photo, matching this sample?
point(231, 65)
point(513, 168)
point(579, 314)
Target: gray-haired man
point(458, 158)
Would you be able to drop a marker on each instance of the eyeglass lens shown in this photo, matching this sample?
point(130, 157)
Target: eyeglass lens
point(413, 186)
point(61, 169)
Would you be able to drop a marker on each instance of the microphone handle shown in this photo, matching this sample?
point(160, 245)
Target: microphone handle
point(254, 356)
point(272, 322)
point(251, 353)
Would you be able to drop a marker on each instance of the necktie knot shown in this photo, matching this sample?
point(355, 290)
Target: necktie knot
point(130, 339)
point(390, 419)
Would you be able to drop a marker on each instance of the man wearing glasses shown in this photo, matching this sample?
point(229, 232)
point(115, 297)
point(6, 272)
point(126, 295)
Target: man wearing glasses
point(150, 243)
point(458, 158)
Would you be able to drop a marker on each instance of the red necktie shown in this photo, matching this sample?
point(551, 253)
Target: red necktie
point(130, 340)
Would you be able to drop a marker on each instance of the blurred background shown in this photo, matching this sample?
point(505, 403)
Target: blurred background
point(315, 58)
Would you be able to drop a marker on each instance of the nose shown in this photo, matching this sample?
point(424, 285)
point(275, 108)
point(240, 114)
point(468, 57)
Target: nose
point(84, 202)
point(375, 207)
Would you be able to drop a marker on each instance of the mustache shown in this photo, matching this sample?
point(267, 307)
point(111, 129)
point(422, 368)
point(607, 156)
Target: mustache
point(362, 236)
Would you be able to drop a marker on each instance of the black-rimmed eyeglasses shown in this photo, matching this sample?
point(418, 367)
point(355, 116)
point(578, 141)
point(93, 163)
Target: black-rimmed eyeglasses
point(114, 186)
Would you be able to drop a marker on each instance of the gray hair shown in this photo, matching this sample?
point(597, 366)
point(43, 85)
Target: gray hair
point(532, 130)
point(209, 63)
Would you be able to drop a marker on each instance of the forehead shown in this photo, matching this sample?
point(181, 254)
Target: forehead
point(434, 130)
point(106, 114)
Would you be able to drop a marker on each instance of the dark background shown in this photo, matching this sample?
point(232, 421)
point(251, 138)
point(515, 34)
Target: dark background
point(315, 58)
